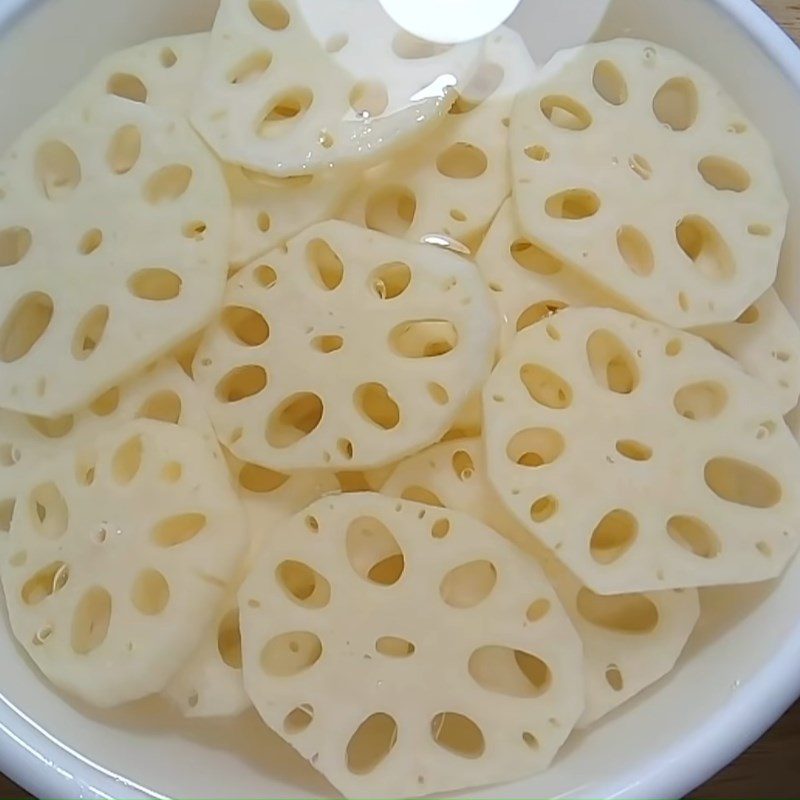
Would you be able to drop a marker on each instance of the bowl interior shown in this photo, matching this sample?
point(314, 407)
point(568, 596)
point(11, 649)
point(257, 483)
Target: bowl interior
point(739, 661)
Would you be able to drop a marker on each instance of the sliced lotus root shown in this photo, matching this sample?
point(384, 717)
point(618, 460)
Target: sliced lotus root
point(284, 98)
point(161, 393)
point(765, 340)
point(267, 210)
point(160, 72)
point(631, 163)
point(528, 284)
point(114, 225)
point(642, 456)
point(447, 189)
point(118, 558)
point(629, 640)
point(391, 644)
point(347, 350)
point(210, 683)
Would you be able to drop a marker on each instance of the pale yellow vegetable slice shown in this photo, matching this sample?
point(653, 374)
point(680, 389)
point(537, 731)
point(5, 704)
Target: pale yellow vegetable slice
point(642, 456)
point(629, 640)
point(210, 683)
point(114, 225)
point(447, 189)
point(346, 350)
point(118, 556)
point(389, 642)
point(528, 284)
point(292, 87)
point(632, 163)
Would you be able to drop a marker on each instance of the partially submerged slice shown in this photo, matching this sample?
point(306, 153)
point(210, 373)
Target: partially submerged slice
point(210, 683)
point(629, 640)
point(293, 87)
point(631, 163)
point(118, 555)
point(114, 231)
point(446, 190)
point(347, 349)
point(389, 643)
point(642, 456)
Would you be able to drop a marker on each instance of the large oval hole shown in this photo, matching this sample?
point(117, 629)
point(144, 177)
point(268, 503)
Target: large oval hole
point(610, 83)
point(391, 209)
point(468, 584)
point(694, 535)
point(565, 112)
point(705, 248)
point(394, 647)
point(531, 257)
point(742, 483)
point(241, 383)
point(127, 460)
point(250, 68)
point(372, 741)
point(622, 613)
point(701, 401)
point(723, 174)
point(377, 405)
point(676, 104)
point(164, 406)
point(45, 582)
point(155, 283)
point(229, 639)
point(127, 86)
point(612, 363)
point(91, 620)
point(373, 551)
point(124, 149)
point(303, 584)
point(255, 478)
point(245, 325)
point(545, 386)
point(458, 734)
point(462, 161)
point(572, 204)
point(89, 332)
point(14, 245)
point(167, 184)
point(290, 653)
point(150, 592)
point(295, 418)
point(613, 536)
point(284, 111)
point(328, 267)
point(390, 280)
point(635, 250)
point(423, 338)
point(270, 13)
point(180, 528)
point(57, 169)
point(508, 671)
point(535, 447)
point(26, 323)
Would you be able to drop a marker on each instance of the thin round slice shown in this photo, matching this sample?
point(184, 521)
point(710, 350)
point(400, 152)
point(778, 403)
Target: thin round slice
point(347, 349)
point(765, 340)
point(402, 662)
point(210, 683)
point(446, 190)
point(662, 463)
point(632, 163)
point(629, 640)
point(104, 271)
point(161, 393)
point(290, 86)
point(118, 556)
point(160, 72)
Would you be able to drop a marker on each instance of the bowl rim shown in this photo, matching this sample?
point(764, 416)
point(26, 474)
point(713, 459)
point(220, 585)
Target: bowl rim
point(47, 767)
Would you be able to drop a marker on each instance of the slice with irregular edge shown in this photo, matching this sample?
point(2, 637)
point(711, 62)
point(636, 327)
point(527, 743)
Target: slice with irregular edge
point(631, 163)
point(161, 393)
point(347, 349)
point(629, 640)
point(114, 225)
point(427, 609)
point(118, 558)
point(528, 285)
point(765, 340)
point(210, 684)
point(268, 210)
point(642, 456)
point(160, 72)
point(283, 98)
point(447, 189)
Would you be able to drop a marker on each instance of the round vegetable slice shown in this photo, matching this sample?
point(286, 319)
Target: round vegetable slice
point(290, 87)
point(631, 163)
point(658, 461)
point(528, 285)
point(389, 643)
point(447, 189)
point(210, 683)
point(629, 640)
point(346, 350)
point(114, 221)
point(118, 556)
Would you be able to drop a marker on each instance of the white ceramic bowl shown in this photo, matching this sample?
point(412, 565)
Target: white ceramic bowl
point(740, 670)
